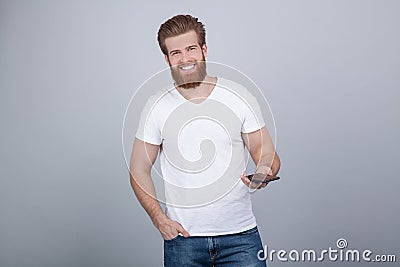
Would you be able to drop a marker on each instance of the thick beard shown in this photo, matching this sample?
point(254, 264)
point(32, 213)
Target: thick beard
point(191, 80)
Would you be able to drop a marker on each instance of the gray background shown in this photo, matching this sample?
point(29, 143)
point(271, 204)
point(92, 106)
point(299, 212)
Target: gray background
point(330, 70)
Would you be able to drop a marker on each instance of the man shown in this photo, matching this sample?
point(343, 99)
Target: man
point(208, 219)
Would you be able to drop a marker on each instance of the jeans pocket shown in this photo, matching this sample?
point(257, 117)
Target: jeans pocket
point(172, 239)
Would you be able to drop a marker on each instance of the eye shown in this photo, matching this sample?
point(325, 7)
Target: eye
point(174, 53)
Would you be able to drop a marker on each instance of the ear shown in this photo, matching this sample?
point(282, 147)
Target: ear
point(166, 59)
point(204, 48)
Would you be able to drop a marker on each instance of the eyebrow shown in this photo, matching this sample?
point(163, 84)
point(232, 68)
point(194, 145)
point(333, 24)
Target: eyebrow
point(173, 51)
point(187, 47)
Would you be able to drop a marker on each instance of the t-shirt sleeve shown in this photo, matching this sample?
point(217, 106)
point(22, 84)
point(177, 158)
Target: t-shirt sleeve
point(148, 130)
point(252, 116)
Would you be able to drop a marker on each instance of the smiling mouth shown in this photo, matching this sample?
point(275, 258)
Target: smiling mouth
point(187, 67)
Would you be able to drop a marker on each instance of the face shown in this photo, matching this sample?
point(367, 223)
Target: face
point(186, 59)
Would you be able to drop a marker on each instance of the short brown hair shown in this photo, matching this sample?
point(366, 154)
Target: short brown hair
point(178, 25)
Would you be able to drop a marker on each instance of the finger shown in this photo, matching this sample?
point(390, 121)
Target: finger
point(262, 185)
point(170, 234)
point(254, 185)
point(245, 180)
point(181, 230)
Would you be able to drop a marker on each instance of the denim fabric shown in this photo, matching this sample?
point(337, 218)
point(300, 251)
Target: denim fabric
point(226, 250)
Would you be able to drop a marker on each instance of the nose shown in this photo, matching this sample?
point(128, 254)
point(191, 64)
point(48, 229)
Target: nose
point(184, 57)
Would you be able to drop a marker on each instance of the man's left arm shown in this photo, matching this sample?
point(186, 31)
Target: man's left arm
point(262, 151)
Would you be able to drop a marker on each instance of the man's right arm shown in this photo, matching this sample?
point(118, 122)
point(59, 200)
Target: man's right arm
point(142, 159)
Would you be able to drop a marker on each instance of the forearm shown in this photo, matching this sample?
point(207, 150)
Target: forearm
point(276, 165)
point(264, 162)
point(262, 151)
point(269, 162)
point(143, 188)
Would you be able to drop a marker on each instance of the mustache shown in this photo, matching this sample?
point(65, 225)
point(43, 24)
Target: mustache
point(189, 63)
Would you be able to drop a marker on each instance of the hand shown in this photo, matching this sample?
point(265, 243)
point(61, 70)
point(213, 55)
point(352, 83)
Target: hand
point(254, 185)
point(168, 228)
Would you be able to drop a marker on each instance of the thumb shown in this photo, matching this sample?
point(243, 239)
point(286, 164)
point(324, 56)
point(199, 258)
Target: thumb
point(182, 230)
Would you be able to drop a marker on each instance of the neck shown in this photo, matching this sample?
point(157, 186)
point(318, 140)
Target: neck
point(200, 90)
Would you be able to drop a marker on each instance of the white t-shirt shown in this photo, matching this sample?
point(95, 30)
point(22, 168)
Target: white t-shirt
point(202, 156)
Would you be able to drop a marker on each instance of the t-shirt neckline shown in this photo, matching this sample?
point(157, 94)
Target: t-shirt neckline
point(208, 97)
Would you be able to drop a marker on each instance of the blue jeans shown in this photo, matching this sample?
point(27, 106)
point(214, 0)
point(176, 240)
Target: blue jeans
point(225, 250)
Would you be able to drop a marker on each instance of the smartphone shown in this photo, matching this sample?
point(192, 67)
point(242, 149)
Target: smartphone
point(262, 178)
